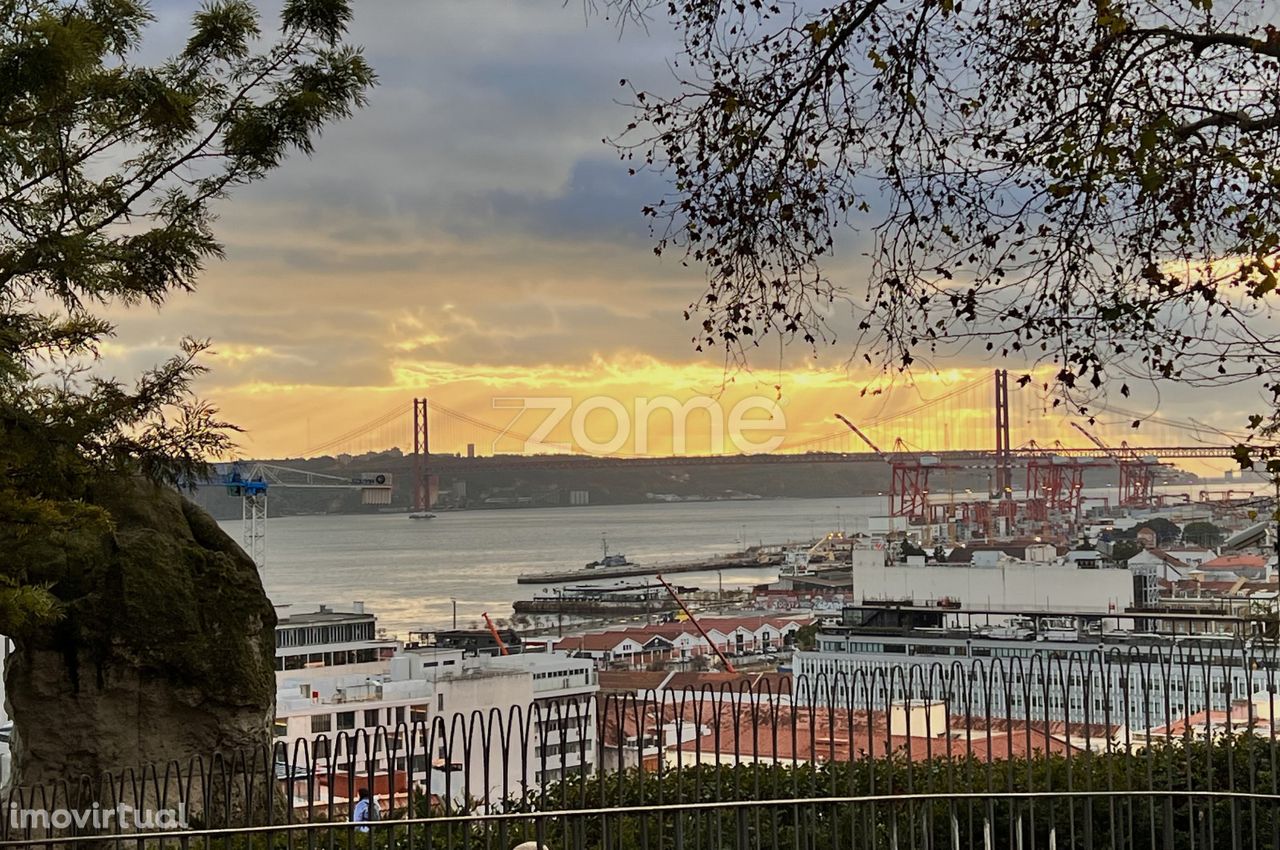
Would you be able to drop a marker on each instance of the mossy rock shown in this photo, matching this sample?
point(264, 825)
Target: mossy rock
point(165, 650)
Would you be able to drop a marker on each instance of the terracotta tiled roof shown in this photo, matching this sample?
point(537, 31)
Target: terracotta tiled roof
point(641, 634)
point(769, 731)
point(631, 680)
point(600, 641)
point(1235, 562)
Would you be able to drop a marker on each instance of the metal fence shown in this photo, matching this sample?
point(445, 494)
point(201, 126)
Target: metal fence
point(916, 757)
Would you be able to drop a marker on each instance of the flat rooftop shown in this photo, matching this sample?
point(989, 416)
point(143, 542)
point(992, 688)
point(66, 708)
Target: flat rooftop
point(324, 615)
point(1052, 613)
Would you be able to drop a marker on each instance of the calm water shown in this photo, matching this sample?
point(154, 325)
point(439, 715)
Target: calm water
point(406, 571)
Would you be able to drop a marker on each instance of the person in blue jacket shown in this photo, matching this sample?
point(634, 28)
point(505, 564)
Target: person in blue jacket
point(366, 809)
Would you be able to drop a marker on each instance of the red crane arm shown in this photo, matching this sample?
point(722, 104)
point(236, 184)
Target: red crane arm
point(728, 665)
point(493, 630)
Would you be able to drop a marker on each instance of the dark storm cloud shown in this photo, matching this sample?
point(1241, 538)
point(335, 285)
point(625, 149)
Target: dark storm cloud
point(470, 215)
point(599, 201)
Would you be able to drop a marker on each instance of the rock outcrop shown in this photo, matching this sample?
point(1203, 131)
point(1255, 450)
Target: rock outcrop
point(164, 654)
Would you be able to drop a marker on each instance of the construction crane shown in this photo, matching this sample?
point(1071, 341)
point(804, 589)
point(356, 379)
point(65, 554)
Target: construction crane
point(909, 488)
point(724, 659)
point(1137, 474)
point(863, 437)
point(250, 482)
point(493, 630)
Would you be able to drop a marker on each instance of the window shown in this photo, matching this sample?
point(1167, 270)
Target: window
point(346, 720)
point(439, 702)
point(281, 728)
point(321, 723)
point(399, 713)
point(371, 717)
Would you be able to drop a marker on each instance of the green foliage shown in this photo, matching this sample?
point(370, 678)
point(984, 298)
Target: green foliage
point(807, 637)
point(1166, 531)
point(109, 173)
point(1176, 766)
point(1150, 797)
point(1203, 534)
point(1123, 550)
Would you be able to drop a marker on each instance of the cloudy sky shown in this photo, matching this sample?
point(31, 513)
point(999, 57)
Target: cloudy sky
point(468, 237)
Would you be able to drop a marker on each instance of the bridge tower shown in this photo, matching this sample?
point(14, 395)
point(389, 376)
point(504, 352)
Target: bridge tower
point(423, 497)
point(1004, 460)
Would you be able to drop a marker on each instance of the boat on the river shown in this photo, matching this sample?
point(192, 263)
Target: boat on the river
point(615, 598)
point(607, 560)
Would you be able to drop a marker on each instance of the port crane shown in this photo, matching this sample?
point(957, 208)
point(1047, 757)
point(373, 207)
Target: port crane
point(724, 659)
point(909, 489)
point(1137, 474)
point(250, 482)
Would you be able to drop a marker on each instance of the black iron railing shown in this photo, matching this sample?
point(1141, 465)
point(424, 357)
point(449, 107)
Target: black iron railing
point(929, 756)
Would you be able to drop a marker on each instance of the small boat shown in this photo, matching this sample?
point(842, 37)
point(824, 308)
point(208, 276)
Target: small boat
point(1016, 628)
point(607, 560)
point(1060, 629)
point(421, 515)
point(610, 598)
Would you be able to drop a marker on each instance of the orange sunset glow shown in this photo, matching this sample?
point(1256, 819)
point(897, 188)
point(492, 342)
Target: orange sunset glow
point(426, 251)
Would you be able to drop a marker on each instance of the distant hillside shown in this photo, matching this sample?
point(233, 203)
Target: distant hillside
point(489, 488)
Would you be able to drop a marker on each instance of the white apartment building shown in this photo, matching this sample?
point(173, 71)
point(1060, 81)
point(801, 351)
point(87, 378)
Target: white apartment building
point(330, 638)
point(995, 581)
point(563, 714)
point(440, 711)
point(1126, 678)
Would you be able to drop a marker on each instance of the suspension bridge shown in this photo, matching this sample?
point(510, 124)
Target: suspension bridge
point(973, 421)
point(974, 424)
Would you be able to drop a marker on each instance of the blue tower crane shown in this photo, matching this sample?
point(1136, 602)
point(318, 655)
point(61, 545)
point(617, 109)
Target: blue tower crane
point(250, 482)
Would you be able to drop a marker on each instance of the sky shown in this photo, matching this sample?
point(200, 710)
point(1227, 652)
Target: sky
point(469, 238)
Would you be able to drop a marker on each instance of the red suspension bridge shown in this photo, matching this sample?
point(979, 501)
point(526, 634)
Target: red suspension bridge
point(971, 425)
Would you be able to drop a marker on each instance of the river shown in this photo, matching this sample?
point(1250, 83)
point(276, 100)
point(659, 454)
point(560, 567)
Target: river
point(407, 571)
